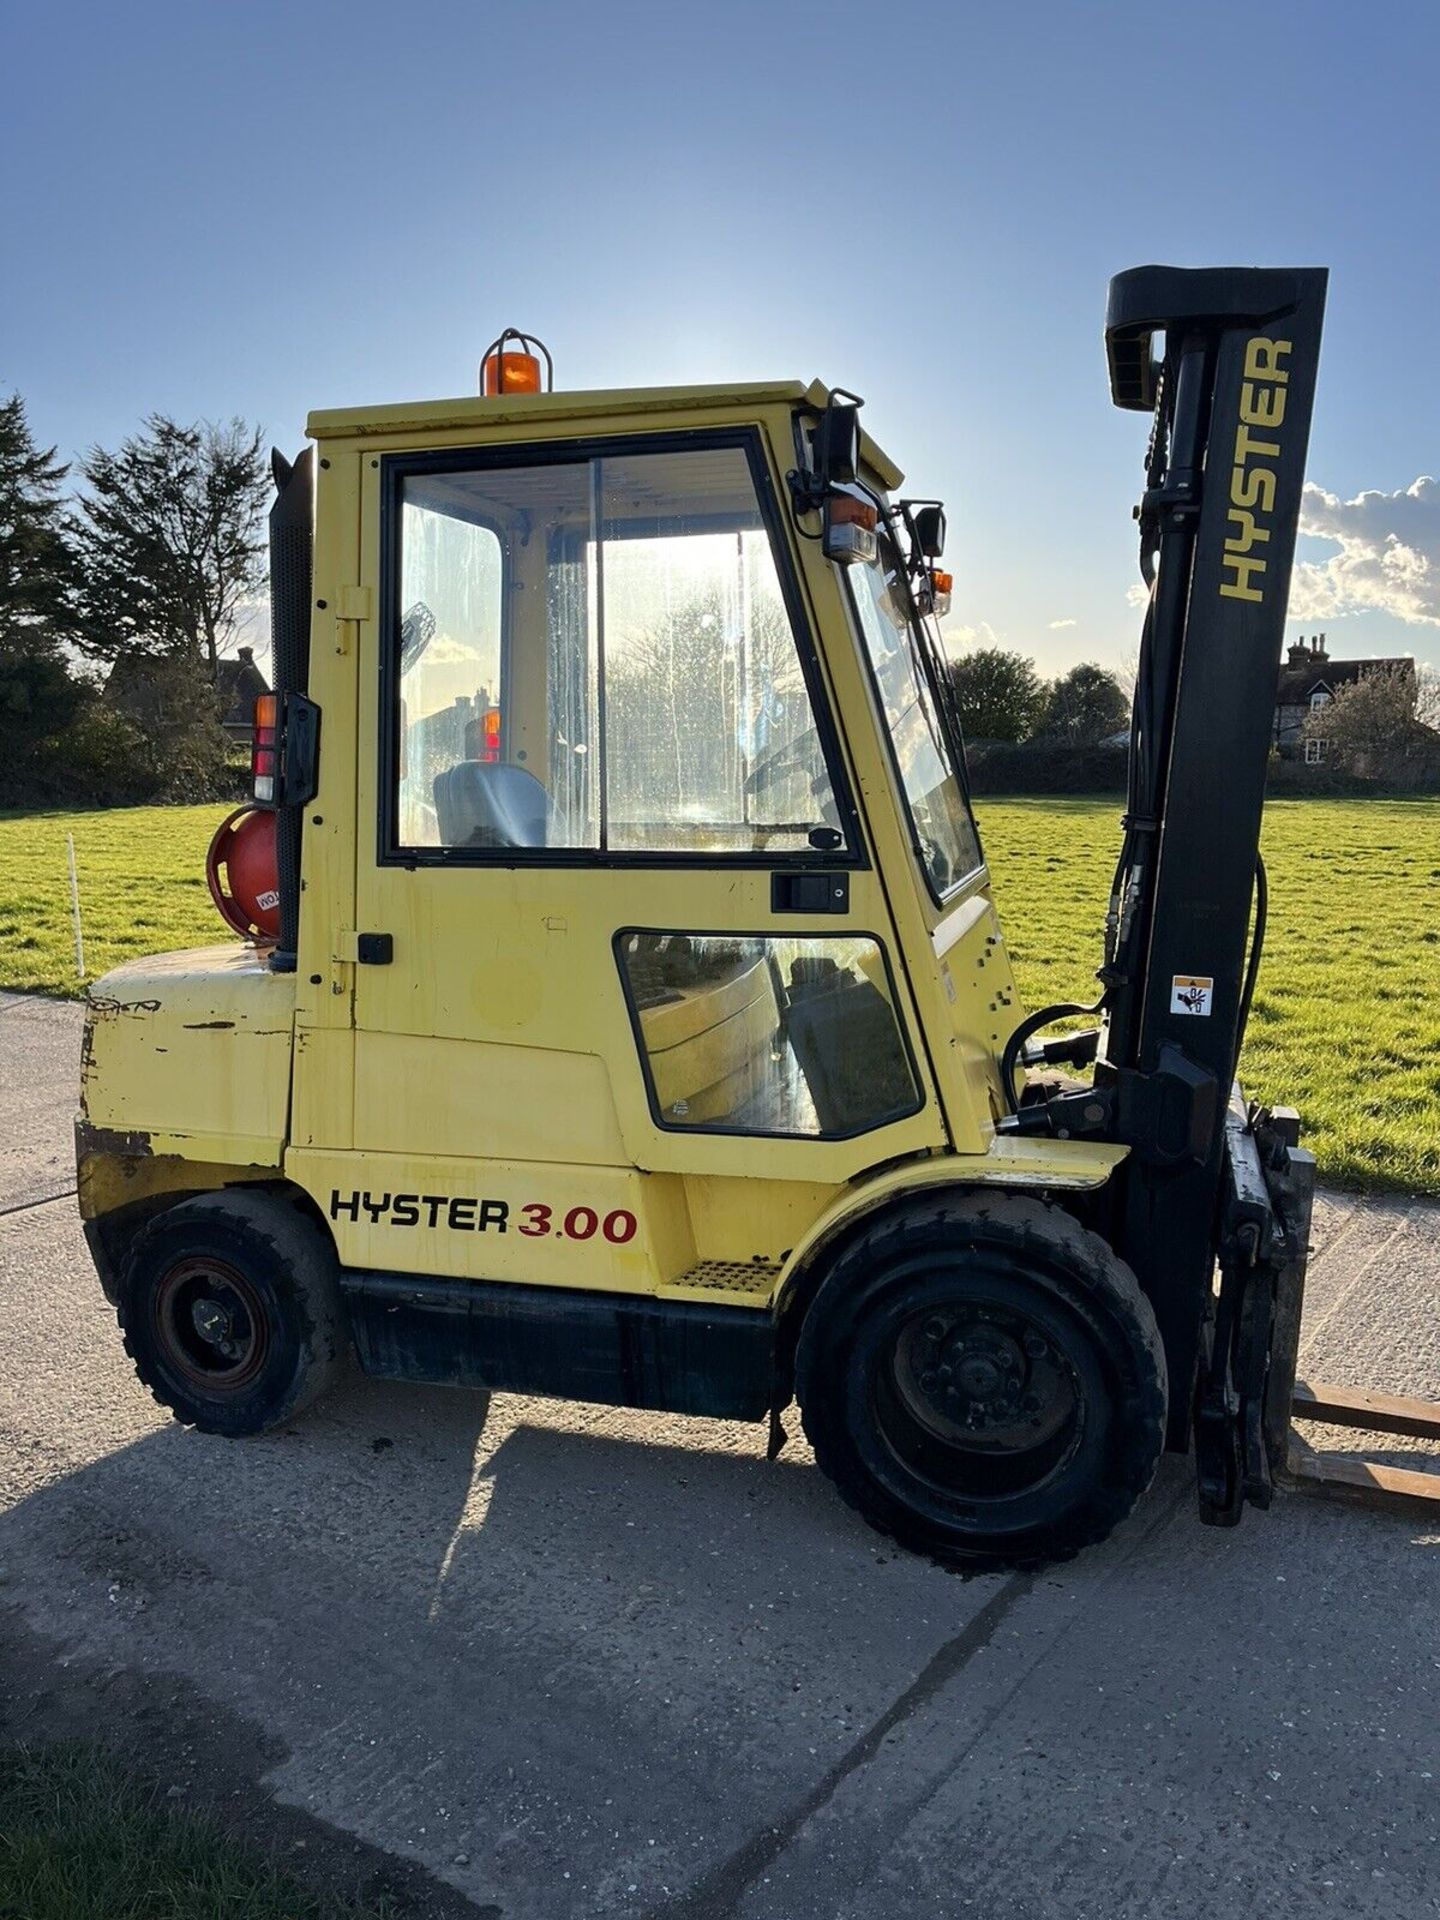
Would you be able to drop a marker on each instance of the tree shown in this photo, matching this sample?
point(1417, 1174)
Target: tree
point(1084, 707)
point(170, 539)
point(1427, 698)
point(1370, 728)
point(39, 697)
point(998, 694)
point(37, 574)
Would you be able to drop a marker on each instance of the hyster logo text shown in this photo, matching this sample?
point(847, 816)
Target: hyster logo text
point(417, 1209)
point(1252, 482)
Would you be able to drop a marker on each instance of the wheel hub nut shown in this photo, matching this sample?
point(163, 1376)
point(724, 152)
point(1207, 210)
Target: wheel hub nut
point(980, 1376)
point(212, 1322)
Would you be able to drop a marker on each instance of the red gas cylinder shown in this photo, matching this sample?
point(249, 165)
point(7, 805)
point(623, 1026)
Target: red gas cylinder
point(243, 872)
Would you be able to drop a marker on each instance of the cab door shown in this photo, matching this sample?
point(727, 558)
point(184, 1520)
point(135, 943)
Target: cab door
point(626, 989)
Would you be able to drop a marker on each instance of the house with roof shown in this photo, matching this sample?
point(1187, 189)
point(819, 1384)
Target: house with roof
point(1309, 681)
point(139, 687)
point(239, 683)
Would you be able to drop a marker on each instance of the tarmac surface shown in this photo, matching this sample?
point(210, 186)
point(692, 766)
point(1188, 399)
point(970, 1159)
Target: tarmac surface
point(568, 1661)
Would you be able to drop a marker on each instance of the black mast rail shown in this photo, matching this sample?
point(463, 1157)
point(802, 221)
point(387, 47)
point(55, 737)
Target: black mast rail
point(1248, 351)
point(1232, 395)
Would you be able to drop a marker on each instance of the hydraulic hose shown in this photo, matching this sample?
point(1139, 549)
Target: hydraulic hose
point(1010, 1056)
point(1257, 948)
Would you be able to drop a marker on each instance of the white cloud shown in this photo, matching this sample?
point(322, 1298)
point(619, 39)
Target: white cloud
point(1058, 626)
point(958, 639)
point(1388, 559)
point(1137, 593)
point(445, 651)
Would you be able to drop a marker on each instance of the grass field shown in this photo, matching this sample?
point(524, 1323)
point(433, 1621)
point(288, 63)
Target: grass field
point(142, 890)
point(81, 1838)
point(1346, 1025)
point(1346, 1022)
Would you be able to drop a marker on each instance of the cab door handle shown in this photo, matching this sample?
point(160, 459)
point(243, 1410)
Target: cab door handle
point(809, 893)
point(365, 949)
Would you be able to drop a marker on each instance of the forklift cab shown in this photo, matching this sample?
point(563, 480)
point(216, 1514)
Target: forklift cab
point(650, 701)
point(602, 664)
point(660, 826)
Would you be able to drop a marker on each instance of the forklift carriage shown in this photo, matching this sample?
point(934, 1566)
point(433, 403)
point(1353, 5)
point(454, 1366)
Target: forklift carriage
point(639, 1027)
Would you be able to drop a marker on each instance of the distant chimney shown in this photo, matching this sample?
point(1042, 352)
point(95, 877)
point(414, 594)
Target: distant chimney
point(246, 656)
point(1299, 653)
point(1317, 650)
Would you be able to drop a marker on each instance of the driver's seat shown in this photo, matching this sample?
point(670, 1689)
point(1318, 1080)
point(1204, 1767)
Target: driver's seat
point(480, 803)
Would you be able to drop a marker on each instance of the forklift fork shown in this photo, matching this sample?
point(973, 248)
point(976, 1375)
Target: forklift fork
point(1372, 1482)
point(1244, 1441)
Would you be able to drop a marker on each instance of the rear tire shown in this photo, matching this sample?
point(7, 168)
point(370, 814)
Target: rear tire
point(230, 1309)
point(983, 1380)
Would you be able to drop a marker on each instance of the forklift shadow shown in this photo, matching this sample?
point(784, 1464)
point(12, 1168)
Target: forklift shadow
point(433, 1508)
point(605, 1500)
point(369, 1484)
point(685, 1523)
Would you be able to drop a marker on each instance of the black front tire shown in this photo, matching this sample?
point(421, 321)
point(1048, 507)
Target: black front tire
point(230, 1309)
point(983, 1380)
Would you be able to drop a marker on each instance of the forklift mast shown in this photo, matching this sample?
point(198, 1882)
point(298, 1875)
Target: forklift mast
point(1206, 1179)
point(1232, 396)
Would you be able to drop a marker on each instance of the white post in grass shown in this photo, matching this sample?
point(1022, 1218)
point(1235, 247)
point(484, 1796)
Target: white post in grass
point(75, 908)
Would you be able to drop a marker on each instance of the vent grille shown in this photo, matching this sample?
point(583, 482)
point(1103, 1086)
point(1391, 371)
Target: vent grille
point(729, 1276)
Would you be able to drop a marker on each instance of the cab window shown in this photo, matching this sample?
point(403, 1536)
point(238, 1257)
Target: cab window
point(793, 1036)
point(595, 656)
point(925, 756)
point(450, 643)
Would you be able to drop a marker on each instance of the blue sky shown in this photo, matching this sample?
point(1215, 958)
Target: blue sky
point(211, 210)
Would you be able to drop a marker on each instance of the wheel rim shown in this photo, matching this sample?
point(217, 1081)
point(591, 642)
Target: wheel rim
point(980, 1398)
point(211, 1325)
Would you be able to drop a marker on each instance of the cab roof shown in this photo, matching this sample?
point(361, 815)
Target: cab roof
point(475, 412)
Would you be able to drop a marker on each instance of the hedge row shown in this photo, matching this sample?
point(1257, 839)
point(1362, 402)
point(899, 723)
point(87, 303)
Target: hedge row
point(1016, 770)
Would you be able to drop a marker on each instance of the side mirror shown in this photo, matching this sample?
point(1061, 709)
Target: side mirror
point(837, 444)
point(834, 453)
point(929, 526)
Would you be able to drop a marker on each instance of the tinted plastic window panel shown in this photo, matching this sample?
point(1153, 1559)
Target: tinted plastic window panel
point(786, 1036)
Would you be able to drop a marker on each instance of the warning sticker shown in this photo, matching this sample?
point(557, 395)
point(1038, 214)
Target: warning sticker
point(1192, 993)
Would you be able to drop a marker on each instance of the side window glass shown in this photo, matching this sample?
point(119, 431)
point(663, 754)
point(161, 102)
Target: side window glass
point(711, 743)
point(494, 645)
point(790, 1036)
point(450, 639)
point(596, 655)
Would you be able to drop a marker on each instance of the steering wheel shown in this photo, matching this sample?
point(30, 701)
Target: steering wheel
point(417, 630)
point(935, 859)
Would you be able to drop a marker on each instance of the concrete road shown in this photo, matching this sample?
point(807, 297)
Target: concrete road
point(577, 1662)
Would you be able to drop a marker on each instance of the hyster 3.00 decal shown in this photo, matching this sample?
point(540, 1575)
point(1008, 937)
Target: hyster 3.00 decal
point(466, 1214)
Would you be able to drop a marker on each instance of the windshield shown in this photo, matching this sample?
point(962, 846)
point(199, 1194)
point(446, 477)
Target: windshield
point(944, 829)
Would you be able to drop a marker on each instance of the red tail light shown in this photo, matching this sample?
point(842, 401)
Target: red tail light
point(264, 750)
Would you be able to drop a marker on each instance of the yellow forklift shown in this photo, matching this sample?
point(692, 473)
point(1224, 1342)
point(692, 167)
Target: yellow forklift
point(634, 1023)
